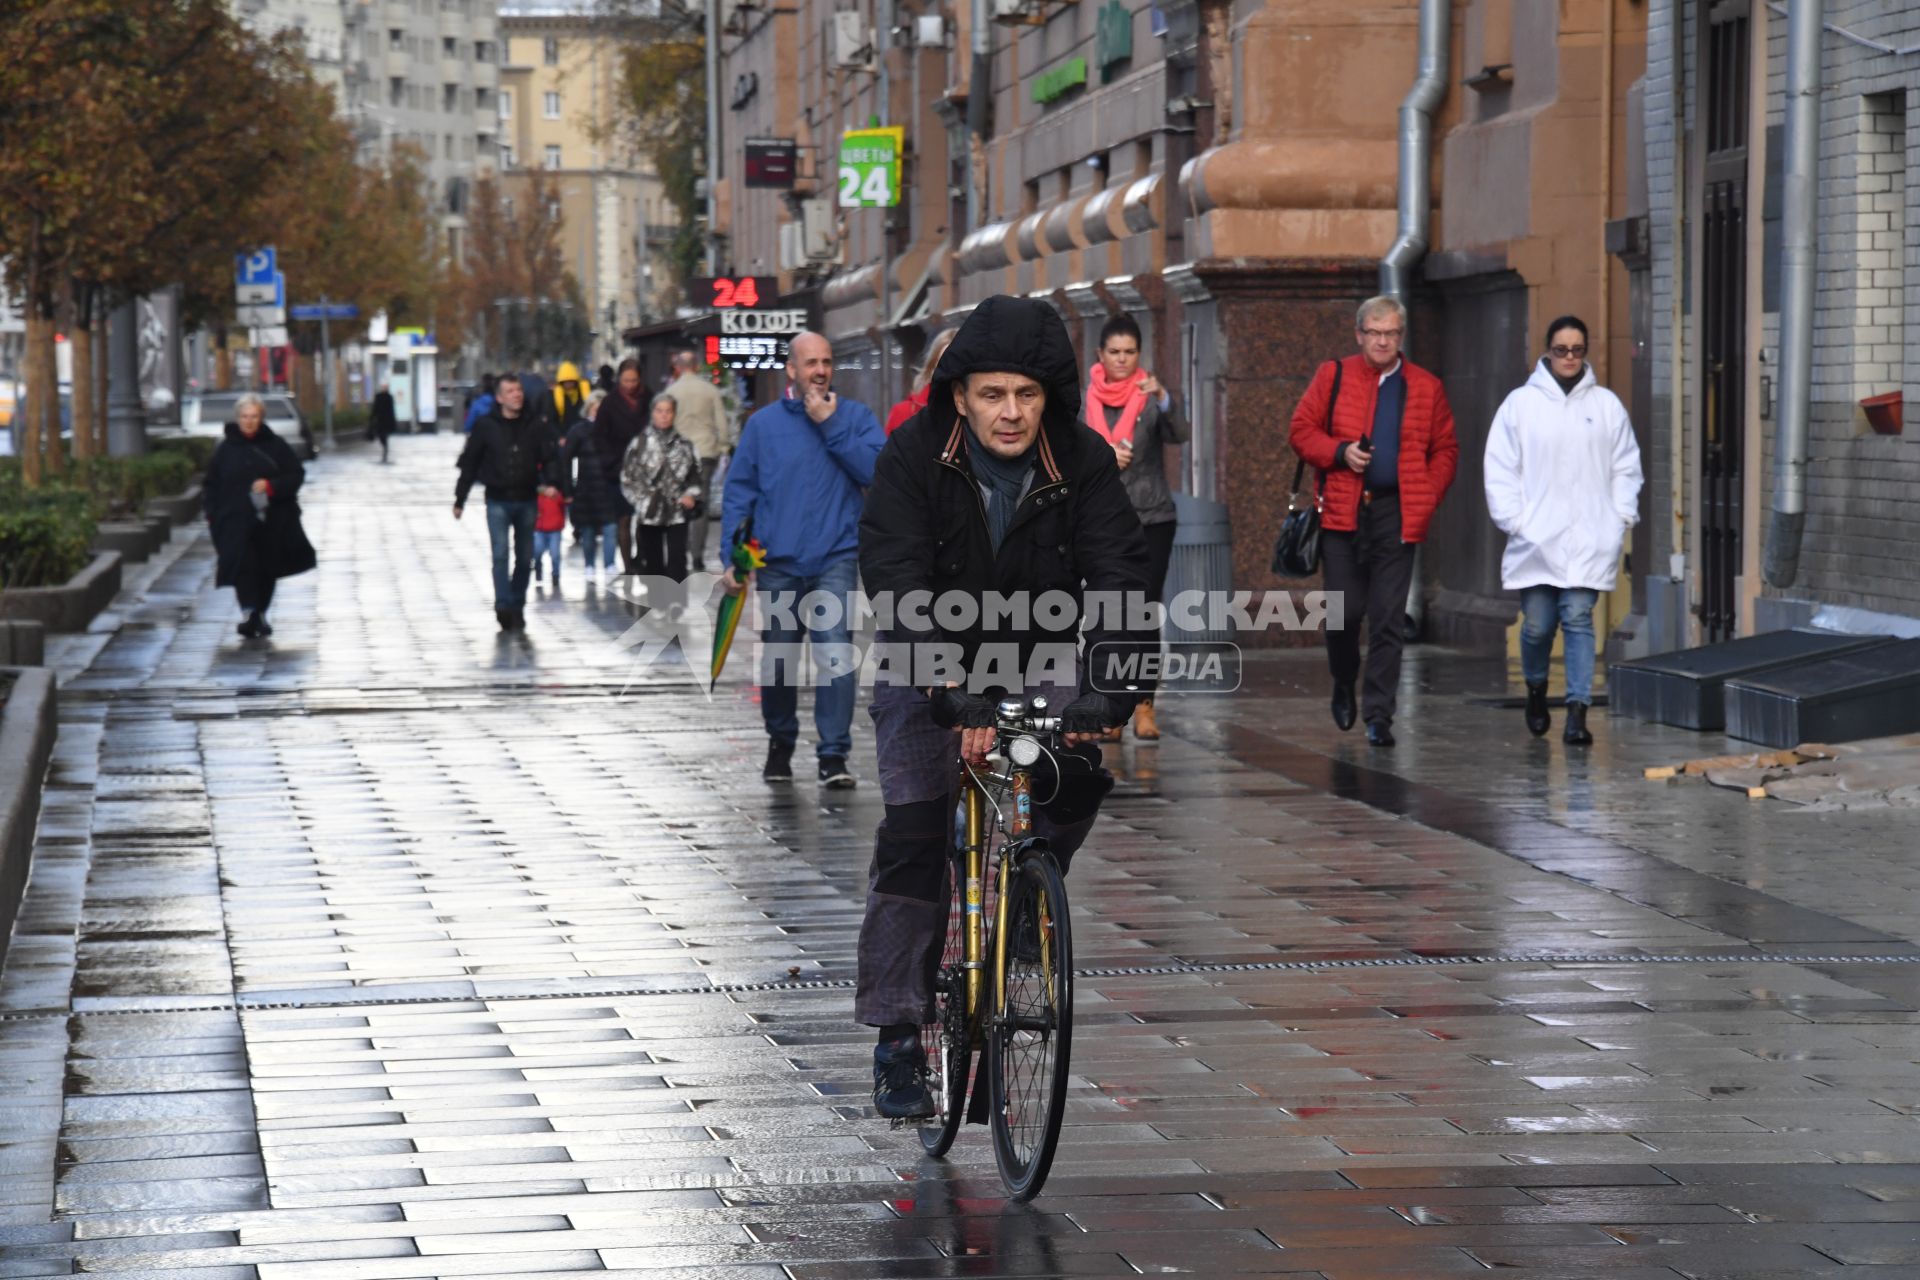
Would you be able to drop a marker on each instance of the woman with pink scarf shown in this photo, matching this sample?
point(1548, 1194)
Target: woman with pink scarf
point(1137, 416)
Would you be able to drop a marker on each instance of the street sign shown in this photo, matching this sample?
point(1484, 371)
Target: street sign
point(254, 276)
point(261, 316)
point(258, 267)
point(771, 162)
point(724, 293)
point(270, 336)
point(326, 311)
point(870, 167)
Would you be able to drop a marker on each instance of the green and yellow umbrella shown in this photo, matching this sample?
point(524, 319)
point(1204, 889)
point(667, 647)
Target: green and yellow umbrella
point(748, 555)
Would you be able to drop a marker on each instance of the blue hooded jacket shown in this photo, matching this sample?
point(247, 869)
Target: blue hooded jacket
point(801, 484)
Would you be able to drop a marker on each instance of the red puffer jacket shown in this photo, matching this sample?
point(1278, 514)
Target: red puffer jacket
point(1428, 451)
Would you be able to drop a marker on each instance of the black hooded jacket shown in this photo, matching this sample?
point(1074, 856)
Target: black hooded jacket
point(924, 527)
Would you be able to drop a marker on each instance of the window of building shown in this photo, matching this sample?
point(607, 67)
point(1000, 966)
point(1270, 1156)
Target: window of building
point(550, 51)
point(448, 151)
point(1880, 254)
point(506, 162)
point(450, 48)
point(396, 39)
point(449, 98)
point(551, 105)
point(483, 51)
point(553, 156)
point(506, 104)
point(396, 91)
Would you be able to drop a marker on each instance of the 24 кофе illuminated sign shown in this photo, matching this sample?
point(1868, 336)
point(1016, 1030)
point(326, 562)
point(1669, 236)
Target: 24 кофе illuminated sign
point(751, 340)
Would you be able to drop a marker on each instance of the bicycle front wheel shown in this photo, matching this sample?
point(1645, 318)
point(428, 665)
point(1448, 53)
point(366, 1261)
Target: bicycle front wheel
point(1029, 1050)
point(948, 1038)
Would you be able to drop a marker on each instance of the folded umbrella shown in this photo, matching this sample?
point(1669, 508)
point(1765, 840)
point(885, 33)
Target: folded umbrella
point(748, 555)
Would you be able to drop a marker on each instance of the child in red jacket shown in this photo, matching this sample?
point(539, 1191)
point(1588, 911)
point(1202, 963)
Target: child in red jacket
point(549, 522)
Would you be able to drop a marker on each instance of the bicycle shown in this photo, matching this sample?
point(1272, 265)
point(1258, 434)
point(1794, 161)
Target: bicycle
point(1003, 982)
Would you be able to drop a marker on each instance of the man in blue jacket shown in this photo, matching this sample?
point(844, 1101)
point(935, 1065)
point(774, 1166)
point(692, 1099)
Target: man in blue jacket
point(799, 474)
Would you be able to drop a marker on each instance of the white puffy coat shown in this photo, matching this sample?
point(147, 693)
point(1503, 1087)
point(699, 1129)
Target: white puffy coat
point(1563, 482)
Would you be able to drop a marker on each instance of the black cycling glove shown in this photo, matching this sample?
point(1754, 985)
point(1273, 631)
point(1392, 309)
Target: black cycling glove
point(958, 709)
point(1092, 713)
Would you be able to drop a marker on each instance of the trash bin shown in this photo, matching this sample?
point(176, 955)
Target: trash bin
point(1202, 559)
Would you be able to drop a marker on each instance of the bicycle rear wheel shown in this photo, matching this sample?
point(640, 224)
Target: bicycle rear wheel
point(947, 1038)
point(1031, 1038)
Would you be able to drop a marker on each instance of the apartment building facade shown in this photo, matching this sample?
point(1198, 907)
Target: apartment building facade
point(561, 118)
point(1226, 172)
point(423, 73)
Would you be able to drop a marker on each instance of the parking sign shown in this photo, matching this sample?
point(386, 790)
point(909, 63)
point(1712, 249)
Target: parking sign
point(255, 277)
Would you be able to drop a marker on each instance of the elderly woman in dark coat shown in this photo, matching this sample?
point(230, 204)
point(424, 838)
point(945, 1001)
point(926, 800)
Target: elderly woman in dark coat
point(596, 506)
point(251, 496)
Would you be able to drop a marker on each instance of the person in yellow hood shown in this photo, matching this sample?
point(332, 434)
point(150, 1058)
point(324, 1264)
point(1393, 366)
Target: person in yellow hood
point(569, 393)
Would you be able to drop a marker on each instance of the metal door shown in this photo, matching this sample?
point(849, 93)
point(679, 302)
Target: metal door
point(1723, 310)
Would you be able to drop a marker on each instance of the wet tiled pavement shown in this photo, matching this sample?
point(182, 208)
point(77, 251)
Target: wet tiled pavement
point(390, 948)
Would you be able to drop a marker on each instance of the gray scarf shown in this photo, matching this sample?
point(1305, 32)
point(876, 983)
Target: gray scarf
point(1003, 482)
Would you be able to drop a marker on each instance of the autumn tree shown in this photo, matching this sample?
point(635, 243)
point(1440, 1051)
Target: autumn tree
point(149, 141)
point(515, 286)
point(120, 164)
point(663, 94)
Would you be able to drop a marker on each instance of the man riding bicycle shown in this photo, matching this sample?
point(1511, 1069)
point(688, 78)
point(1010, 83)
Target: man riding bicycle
point(995, 493)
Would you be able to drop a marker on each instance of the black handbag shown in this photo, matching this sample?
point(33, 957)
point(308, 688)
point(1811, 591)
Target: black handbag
point(1296, 552)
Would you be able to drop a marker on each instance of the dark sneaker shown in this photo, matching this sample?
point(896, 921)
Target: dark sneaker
point(505, 618)
point(250, 627)
point(834, 773)
point(900, 1080)
point(539, 571)
point(261, 625)
point(779, 766)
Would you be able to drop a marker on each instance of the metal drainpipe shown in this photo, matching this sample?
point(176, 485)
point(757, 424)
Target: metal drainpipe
point(1416, 192)
point(714, 265)
point(1799, 188)
point(979, 108)
point(1416, 150)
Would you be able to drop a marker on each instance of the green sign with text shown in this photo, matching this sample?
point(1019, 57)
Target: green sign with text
point(1113, 41)
point(1060, 81)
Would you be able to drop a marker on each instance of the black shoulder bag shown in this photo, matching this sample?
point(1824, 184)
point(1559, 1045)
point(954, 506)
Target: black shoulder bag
point(1296, 553)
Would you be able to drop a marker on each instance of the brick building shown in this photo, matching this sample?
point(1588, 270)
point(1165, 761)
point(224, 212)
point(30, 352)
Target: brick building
point(1715, 101)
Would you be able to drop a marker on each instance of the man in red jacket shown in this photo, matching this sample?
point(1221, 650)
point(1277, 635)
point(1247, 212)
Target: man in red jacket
point(1379, 431)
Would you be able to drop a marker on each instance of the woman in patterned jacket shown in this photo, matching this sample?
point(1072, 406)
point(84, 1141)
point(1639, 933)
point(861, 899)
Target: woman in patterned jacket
point(660, 476)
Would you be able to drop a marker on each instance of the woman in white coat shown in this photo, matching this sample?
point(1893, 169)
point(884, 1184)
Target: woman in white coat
point(1563, 483)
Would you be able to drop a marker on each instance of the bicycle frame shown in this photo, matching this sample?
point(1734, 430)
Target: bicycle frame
point(1017, 827)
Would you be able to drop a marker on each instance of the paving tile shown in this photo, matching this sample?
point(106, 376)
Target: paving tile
point(453, 883)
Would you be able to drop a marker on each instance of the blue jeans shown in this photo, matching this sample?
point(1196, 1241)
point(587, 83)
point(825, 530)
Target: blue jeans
point(1571, 609)
point(603, 536)
point(547, 544)
point(781, 669)
point(510, 590)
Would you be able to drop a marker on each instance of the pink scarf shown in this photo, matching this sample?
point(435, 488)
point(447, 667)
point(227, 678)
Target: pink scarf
point(1125, 396)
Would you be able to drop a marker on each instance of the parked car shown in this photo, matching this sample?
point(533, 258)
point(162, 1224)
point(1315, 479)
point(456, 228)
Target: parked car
point(208, 413)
